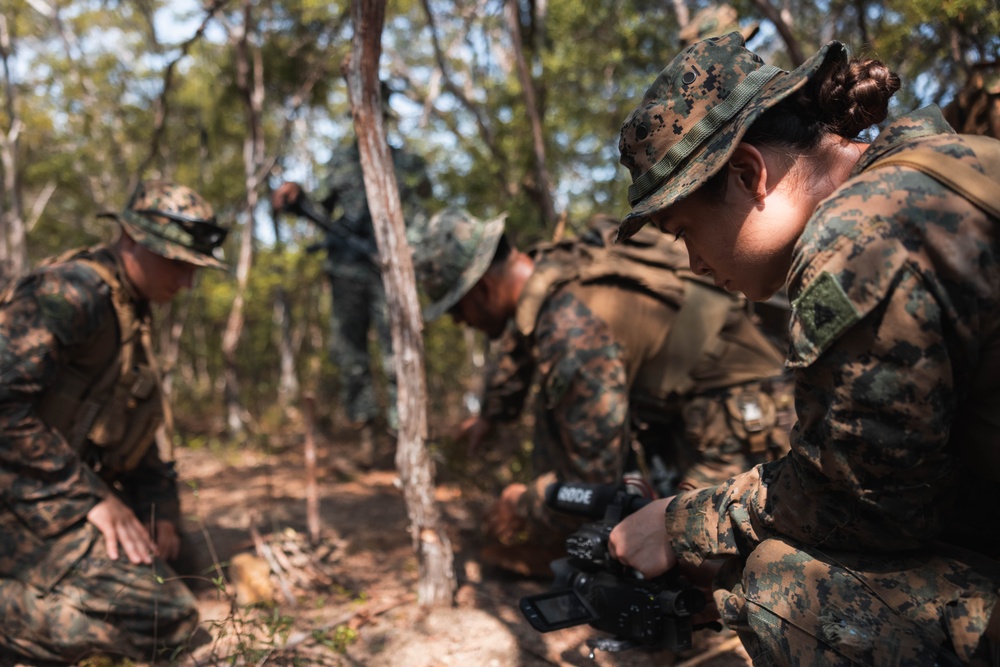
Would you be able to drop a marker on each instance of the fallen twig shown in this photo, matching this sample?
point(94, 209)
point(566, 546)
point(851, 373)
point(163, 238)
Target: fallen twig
point(264, 551)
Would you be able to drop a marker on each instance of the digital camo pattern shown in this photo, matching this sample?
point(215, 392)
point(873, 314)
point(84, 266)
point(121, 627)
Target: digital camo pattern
point(508, 378)
point(451, 252)
point(347, 201)
point(584, 408)
point(358, 305)
point(895, 285)
point(55, 316)
point(164, 236)
point(693, 116)
point(716, 443)
point(101, 605)
point(815, 607)
point(584, 390)
point(358, 294)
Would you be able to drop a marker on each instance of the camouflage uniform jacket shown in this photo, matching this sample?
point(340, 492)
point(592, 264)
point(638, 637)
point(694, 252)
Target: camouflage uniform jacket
point(896, 307)
point(347, 202)
point(591, 341)
point(53, 318)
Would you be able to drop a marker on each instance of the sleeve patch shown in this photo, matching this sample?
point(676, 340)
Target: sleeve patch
point(824, 311)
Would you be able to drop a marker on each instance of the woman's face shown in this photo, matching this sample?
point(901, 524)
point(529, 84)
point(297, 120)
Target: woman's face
point(744, 240)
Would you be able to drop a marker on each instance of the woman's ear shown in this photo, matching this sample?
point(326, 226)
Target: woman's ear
point(747, 174)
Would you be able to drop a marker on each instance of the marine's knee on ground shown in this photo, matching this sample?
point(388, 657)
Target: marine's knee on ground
point(797, 606)
point(100, 606)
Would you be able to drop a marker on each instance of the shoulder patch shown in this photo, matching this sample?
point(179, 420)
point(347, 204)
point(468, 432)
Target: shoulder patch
point(824, 311)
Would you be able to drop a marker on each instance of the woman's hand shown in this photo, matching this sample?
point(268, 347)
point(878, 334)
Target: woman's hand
point(120, 526)
point(640, 541)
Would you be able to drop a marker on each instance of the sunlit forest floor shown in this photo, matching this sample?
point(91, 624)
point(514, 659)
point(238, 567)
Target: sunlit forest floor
point(267, 596)
point(352, 599)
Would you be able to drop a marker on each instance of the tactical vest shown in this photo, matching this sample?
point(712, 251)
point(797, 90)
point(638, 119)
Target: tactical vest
point(106, 399)
point(711, 327)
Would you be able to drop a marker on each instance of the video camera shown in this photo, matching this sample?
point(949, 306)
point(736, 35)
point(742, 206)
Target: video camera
point(591, 587)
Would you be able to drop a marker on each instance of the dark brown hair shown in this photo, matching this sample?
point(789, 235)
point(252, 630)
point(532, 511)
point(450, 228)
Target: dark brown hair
point(503, 251)
point(842, 98)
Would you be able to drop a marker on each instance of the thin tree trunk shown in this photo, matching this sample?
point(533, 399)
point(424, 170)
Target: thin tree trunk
point(170, 339)
point(13, 247)
point(288, 381)
point(683, 16)
point(312, 488)
point(437, 578)
point(201, 377)
point(319, 346)
point(249, 80)
point(544, 193)
point(784, 29)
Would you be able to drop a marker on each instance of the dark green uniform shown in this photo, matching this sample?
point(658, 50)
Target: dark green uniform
point(358, 293)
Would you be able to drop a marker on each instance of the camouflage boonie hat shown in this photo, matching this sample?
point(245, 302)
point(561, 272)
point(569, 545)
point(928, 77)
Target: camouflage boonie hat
point(451, 252)
point(695, 113)
point(174, 222)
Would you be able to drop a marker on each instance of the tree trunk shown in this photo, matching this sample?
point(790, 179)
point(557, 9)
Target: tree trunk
point(201, 376)
point(544, 192)
point(784, 29)
point(13, 247)
point(249, 80)
point(312, 487)
point(288, 381)
point(437, 579)
point(683, 16)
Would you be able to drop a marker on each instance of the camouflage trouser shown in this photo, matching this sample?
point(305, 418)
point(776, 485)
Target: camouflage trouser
point(359, 304)
point(99, 606)
point(796, 606)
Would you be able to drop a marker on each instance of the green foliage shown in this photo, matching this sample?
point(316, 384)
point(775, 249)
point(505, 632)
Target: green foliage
point(338, 639)
point(89, 89)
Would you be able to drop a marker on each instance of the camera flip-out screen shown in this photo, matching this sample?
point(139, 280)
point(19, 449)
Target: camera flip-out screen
point(556, 609)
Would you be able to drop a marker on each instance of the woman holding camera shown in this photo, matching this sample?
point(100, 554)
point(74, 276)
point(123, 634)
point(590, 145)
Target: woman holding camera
point(873, 541)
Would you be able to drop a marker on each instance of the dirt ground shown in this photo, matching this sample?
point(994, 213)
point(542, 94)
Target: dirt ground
point(351, 600)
